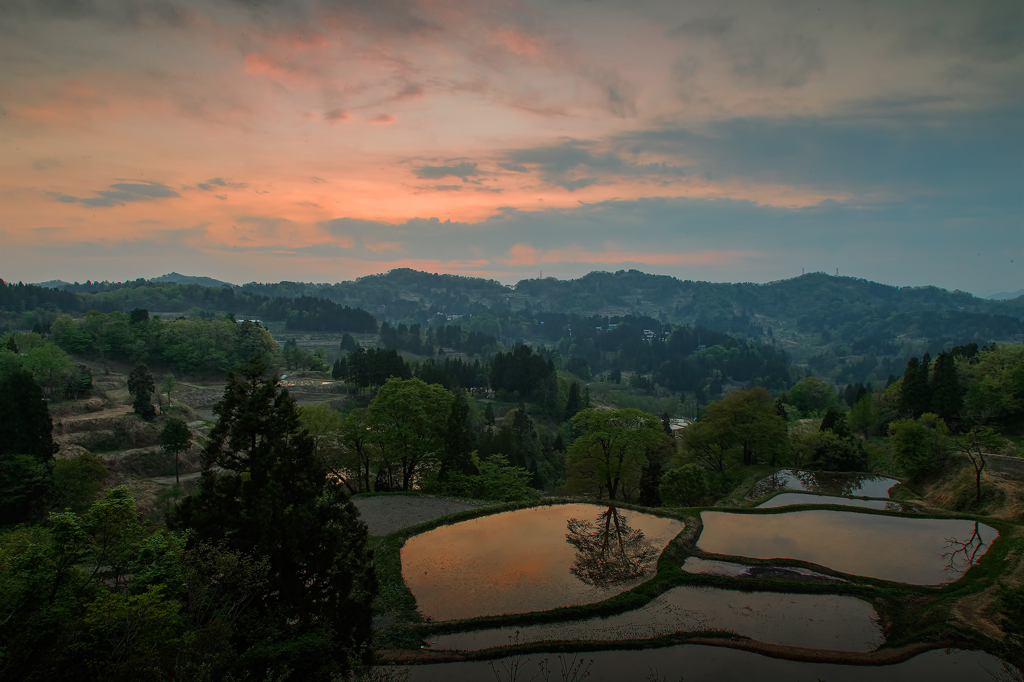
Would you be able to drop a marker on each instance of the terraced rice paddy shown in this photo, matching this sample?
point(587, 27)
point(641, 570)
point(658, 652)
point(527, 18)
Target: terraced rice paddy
point(802, 620)
point(909, 550)
point(521, 561)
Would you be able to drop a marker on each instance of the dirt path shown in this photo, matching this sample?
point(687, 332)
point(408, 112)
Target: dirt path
point(389, 513)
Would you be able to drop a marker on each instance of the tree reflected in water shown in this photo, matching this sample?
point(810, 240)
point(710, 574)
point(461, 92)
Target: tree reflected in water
point(962, 554)
point(609, 551)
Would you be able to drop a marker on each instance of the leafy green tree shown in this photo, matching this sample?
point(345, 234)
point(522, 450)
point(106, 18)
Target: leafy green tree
point(348, 343)
point(749, 420)
point(835, 422)
point(495, 479)
point(829, 451)
point(140, 385)
point(489, 415)
point(686, 486)
point(357, 442)
point(612, 446)
point(975, 443)
point(408, 418)
point(863, 416)
point(812, 397)
point(919, 445)
point(264, 492)
point(709, 443)
point(26, 448)
point(168, 384)
point(996, 386)
point(175, 438)
point(77, 480)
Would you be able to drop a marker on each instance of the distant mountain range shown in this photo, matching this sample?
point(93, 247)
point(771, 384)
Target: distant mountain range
point(175, 278)
point(1005, 295)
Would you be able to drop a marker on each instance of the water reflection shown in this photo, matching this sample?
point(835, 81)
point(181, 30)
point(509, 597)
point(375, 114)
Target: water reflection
point(786, 499)
point(699, 663)
point(901, 549)
point(519, 561)
point(826, 482)
point(815, 621)
point(609, 552)
point(700, 566)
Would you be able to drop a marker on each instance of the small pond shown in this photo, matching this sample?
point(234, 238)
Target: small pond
point(533, 559)
point(824, 482)
point(728, 569)
point(803, 620)
point(696, 663)
point(908, 550)
point(786, 499)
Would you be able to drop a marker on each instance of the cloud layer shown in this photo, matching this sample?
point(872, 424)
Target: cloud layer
point(328, 139)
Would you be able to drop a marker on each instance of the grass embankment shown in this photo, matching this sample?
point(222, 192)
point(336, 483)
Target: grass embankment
point(914, 618)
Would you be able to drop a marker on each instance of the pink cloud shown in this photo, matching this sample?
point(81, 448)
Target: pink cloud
point(382, 118)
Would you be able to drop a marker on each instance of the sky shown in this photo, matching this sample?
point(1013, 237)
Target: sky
point(323, 140)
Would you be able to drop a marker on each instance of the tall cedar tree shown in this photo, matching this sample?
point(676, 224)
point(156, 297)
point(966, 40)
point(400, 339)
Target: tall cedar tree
point(265, 493)
point(915, 397)
point(26, 447)
point(947, 396)
point(457, 443)
point(574, 403)
point(140, 385)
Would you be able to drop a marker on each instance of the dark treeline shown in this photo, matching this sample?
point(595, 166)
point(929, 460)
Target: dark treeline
point(28, 306)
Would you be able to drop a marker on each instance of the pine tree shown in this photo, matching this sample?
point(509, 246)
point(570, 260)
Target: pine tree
point(574, 403)
point(26, 448)
point(264, 492)
point(141, 385)
point(457, 444)
point(915, 397)
point(947, 396)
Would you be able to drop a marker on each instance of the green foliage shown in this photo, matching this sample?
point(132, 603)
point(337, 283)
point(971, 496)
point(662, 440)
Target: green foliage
point(611, 449)
point(686, 486)
point(864, 416)
point(919, 445)
point(812, 397)
point(175, 438)
point(497, 480)
point(828, 450)
point(408, 418)
point(77, 480)
point(140, 385)
point(266, 493)
point(749, 421)
point(995, 391)
point(26, 448)
point(190, 346)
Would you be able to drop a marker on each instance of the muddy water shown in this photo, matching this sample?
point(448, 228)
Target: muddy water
point(824, 482)
point(532, 560)
point(804, 620)
point(728, 569)
point(909, 550)
point(714, 664)
point(786, 499)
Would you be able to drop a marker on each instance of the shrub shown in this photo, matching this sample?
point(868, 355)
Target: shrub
point(686, 486)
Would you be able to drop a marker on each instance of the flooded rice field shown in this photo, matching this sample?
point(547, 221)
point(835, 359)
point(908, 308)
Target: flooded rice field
point(786, 499)
point(909, 550)
point(533, 560)
point(697, 663)
point(699, 566)
point(802, 620)
point(824, 482)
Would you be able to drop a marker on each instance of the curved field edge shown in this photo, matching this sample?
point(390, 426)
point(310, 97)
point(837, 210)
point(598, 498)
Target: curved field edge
point(912, 616)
